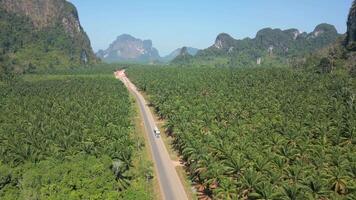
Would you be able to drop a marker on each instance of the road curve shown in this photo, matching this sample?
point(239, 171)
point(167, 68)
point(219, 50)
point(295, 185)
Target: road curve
point(170, 184)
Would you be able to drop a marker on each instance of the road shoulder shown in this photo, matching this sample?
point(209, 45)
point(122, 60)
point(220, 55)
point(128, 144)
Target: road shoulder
point(141, 133)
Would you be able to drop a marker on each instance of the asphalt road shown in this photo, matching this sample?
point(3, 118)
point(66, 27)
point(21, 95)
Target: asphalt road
point(170, 184)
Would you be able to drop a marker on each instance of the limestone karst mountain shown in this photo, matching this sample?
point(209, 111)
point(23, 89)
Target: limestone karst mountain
point(351, 28)
point(127, 48)
point(43, 34)
point(268, 42)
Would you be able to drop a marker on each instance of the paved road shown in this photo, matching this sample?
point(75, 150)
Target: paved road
point(170, 184)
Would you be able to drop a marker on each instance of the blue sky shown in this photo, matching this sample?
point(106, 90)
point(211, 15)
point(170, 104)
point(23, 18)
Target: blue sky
point(175, 23)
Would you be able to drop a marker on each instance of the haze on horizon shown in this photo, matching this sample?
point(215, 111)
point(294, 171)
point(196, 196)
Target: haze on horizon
point(173, 24)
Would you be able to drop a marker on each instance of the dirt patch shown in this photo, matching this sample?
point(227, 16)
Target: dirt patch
point(177, 163)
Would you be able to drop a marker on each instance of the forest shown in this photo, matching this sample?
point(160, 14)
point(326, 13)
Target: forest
point(70, 137)
point(258, 133)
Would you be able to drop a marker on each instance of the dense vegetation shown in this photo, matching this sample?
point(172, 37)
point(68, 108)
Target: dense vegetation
point(272, 46)
point(183, 57)
point(30, 46)
point(69, 137)
point(259, 133)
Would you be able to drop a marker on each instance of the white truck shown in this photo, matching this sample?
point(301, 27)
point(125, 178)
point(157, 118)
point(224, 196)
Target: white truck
point(156, 132)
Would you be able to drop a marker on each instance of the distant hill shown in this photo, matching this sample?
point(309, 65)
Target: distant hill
point(191, 50)
point(39, 34)
point(183, 57)
point(269, 44)
point(340, 55)
point(127, 48)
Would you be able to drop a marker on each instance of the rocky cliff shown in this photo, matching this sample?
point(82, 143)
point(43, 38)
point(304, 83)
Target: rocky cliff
point(224, 41)
point(129, 49)
point(351, 29)
point(43, 33)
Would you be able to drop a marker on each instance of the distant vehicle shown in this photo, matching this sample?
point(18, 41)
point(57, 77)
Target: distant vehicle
point(156, 132)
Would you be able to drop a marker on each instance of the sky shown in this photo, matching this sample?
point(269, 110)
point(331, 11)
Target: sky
point(171, 24)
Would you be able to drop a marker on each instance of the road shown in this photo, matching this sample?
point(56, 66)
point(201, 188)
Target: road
point(170, 184)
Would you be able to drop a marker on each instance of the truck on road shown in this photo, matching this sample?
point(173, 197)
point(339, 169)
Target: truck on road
point(156, 132)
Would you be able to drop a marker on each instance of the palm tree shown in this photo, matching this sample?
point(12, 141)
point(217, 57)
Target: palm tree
point(287, 152)
point(235, 164)
point(262, 162)
point(207, 175)
point(169, 125)
point(294, 173)
point(120, 170)
point(315, 187)
point(275, 141)
point(249, 180)
point(275, 176)
point(292, 192)
point(338, 180)
point(264, 191)
point(226, 190)
point(279, 162)
point(338, 157)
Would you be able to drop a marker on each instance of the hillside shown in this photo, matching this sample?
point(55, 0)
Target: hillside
point(338, 56)
point(42, 34)
point(127, 48)
point(351, 29)
point(191, 50)
point(183, 57)
point(268, 45)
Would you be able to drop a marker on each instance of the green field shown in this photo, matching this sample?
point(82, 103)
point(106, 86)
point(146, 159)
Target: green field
point(259, 133)
point(70, 137)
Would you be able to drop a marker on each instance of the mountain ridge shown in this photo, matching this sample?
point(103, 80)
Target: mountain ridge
point(268, 43)
point(127, 48)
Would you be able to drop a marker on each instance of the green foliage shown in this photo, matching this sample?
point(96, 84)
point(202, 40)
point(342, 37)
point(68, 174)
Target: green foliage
point(269, 44)
point(30, 49)
point(15, 31)
point(332, 58)
point(350, 41)
point(183, 58)
point(60, 137)
point(6, 70)
point(86, 115)
point(259, 133)
point(73, 178)
point(325, 65)
point(99, 69)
